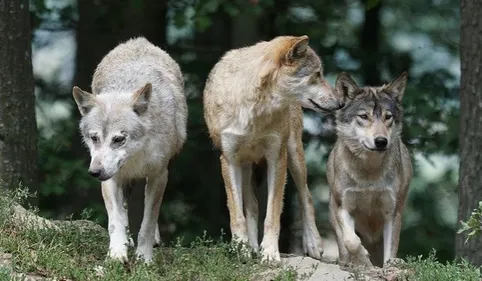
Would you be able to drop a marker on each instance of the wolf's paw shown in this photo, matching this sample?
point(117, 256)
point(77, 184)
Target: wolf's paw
point(118, 253)
point(356, 261)
point(270, 252)
point(312, 243)
point(364, 258)
point(240, 244)
point(353, 243)
point(144, 254)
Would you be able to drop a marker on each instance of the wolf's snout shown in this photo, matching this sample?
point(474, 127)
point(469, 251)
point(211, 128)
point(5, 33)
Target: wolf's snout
point(95, 172)
point(381, 142)
point(341, 104)
point(98, 174)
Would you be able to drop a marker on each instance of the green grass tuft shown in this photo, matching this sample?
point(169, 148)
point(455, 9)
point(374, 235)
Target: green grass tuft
point(76, 254)
point(429, 269)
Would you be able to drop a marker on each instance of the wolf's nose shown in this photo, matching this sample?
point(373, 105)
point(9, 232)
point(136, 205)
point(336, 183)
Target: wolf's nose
point(94, 173)
point(381, 142)
point(341, 104)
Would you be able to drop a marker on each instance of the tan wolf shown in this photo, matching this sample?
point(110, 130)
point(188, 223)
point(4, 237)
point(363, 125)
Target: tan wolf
point(369, 171)
point(133, 123)
point(252, 107)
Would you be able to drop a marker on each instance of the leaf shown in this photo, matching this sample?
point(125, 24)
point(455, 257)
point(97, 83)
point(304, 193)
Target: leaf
point(203, 23)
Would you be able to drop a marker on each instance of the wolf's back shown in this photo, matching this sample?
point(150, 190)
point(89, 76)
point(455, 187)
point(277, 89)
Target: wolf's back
point(129, 64)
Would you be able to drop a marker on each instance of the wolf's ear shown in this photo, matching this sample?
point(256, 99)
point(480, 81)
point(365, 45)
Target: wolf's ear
point(141, 99)
point(397, 87)
point(298, 48)
point(346, 86)
point(85, 100)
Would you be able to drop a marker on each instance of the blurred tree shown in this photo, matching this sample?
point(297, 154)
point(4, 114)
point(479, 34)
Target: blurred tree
point(470, 180)
point(370, 42)
point(18, 128)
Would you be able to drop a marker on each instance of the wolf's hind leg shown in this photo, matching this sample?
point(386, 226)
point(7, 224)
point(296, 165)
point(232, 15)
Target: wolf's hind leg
point(250, 207)
point(312, 243)
point(154, 192)
point(116, 207)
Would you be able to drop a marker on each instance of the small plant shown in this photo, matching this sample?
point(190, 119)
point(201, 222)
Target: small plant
point(430, 269)
point(473, 224)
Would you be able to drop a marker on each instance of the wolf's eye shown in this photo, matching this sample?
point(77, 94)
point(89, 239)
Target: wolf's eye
point(118, 139)
point(94, 138)
point(388, 117)
point(363, 116)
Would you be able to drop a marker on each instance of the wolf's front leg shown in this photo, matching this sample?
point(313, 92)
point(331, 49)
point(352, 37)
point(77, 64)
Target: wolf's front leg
point(277, 166)
point(232, 175)
point(116, 207)
point(312, 243)
point(155, 187)
point(391, 236)
point(352, 242)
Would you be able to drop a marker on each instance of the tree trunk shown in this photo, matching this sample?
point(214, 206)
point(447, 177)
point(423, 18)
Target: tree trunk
point(470, 135)
point(370, 44)
point(18, 126)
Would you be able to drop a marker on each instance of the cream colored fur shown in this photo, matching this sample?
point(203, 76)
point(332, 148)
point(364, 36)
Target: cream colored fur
point(252, 107)
point(133, 123)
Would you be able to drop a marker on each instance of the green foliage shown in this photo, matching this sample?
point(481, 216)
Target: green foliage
point(430, 269)
point(61, 169)
point(5, 273)
point(473, 225)
point(436, 130)
point(205, 9)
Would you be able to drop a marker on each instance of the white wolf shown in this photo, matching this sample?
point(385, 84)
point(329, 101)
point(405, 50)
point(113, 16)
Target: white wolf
point(133, 123)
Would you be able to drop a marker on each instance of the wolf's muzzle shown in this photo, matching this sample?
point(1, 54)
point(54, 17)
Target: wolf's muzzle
point(381, 142)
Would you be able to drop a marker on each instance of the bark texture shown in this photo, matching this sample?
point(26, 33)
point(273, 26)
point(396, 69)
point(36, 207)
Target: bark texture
point(18, 126)
point(470, 135)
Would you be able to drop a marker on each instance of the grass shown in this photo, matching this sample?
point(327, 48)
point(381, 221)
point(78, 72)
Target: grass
point(422, 269)
point(429, 269)
point(77, 253)
point(72, 253)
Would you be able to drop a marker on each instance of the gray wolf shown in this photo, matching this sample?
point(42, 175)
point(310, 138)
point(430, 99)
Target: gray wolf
point(133, 123)
point(253, 102)
point(369, 171)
